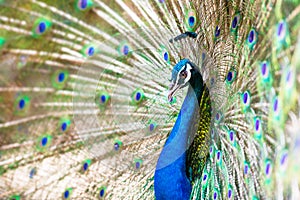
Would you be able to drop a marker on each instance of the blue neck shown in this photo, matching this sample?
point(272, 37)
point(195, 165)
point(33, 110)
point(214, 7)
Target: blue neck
point(170, 179)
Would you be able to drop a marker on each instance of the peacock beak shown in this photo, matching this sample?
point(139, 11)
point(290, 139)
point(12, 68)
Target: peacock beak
point(172, 90)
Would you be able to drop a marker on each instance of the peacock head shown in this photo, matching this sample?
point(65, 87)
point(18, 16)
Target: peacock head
point(181, 75)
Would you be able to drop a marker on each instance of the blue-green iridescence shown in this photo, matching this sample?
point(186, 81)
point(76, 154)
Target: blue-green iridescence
point(186, 150)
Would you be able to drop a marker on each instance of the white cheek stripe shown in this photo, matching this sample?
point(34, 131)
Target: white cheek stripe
point(188, 69)
point(189, 74)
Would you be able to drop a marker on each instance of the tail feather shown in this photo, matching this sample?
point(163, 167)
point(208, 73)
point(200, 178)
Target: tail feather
point(83, 95)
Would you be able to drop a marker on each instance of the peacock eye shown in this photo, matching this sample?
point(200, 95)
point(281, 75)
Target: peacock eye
point(183, 74)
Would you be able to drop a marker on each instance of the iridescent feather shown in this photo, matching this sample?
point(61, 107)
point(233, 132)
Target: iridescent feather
point(84, 108)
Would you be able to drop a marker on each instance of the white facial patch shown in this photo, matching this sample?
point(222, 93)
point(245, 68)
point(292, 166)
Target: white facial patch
point(174, 86)
point(188, 69)
point(189, 74)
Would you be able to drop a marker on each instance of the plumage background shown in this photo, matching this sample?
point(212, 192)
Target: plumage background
point(83, 96)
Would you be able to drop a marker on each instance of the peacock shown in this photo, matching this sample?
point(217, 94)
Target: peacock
point(149, 99)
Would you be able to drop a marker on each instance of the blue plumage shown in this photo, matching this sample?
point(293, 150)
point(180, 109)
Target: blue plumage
point(170, 179)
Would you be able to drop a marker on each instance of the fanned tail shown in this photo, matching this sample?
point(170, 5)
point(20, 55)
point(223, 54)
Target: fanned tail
point(83, 92)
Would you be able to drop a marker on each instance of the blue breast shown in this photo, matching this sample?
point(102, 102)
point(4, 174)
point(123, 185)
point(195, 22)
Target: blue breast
point(170, 179)
point(171, 182)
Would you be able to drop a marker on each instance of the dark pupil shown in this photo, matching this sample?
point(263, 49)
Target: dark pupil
point(83, 4)
point(234, 22)
point(229, 76)
point(66, 195)
point(280, 28)
point(191, 21)
point(101, 193)
point(217, 31)
point(251, 36)
point(42, 27)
